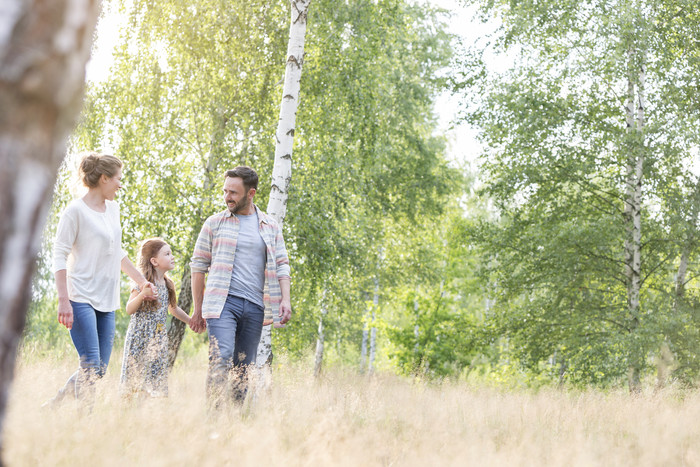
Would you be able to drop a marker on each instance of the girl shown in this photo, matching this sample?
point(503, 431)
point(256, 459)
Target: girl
point(145, 365)
point(88, 261)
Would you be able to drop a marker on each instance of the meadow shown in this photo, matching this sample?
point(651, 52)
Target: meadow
point(346, 419)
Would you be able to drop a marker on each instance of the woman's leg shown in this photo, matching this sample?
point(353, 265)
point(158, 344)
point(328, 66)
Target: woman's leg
point(105, 336)
point(93, 337)
point(86, 341)
point(68, 388)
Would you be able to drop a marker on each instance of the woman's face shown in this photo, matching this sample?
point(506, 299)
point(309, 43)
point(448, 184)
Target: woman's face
point(111, 185)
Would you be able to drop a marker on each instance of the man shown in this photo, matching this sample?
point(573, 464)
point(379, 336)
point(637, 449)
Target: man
point(243, 252)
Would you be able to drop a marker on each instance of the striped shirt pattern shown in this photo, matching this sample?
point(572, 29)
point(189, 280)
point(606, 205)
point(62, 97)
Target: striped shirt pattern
point(215, 252)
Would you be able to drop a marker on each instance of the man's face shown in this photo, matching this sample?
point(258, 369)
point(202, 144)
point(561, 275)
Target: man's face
point(235, 196)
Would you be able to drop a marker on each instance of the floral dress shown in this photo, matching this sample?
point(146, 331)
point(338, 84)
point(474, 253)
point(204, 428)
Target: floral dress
point(145, 363)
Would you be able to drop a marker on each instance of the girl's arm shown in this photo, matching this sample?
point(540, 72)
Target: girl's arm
point(180, 314)
point(137, 297)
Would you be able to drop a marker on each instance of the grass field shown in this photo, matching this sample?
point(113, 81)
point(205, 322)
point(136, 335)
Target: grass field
point(344, 419)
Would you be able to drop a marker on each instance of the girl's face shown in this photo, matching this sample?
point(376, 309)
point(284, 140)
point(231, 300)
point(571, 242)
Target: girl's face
point(164, 260)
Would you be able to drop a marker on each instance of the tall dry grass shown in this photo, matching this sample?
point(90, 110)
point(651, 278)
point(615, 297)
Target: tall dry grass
point(344, 419)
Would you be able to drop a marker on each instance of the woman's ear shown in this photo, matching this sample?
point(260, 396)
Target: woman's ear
point(153, 261)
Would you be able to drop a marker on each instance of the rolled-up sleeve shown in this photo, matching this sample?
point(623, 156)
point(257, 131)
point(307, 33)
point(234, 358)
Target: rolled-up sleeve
point(65, 238)
point(281, 258)
point(201, 257)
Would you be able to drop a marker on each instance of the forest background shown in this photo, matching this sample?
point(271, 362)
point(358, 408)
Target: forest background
point(565, 255)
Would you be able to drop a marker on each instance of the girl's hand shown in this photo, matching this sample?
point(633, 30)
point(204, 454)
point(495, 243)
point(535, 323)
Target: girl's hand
point(148, 291)
point(65, 313)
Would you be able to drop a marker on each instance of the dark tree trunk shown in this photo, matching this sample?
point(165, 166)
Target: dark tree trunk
point(176, 330)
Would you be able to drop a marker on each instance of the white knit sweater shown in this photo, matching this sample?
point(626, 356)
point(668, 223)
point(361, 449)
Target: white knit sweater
point(88, 246)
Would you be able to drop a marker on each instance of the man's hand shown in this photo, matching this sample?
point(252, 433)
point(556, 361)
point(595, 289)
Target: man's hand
point(285, 311)
point(197, 323)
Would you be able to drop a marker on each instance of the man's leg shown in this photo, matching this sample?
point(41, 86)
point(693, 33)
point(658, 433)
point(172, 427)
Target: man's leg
point(247, 339)
point(222, 341)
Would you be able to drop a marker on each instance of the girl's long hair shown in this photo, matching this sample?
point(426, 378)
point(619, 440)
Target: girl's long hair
point(149, 249)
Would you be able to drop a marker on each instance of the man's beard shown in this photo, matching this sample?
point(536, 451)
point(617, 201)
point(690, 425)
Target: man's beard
point(242, 205)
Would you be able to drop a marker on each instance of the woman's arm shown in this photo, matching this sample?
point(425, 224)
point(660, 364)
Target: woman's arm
point(180, 314)
point(66, 234)
point(65, 309)
point(130, 270)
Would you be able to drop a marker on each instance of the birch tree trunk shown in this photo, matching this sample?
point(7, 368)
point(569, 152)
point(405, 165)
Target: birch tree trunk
point(665, 357)
point(687, 247)
point(44, 47)
point(320, 340)
point(416, 327)
point(365, 338)
point(633, 209)
point(282, 169)
point(373, 334)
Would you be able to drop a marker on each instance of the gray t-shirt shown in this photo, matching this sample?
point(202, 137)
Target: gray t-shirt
point(248, 277)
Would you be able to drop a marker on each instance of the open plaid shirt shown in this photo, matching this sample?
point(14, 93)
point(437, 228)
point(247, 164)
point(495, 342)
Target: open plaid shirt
point(215, 251)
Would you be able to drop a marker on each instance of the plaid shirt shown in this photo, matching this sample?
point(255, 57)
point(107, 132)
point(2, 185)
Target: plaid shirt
point(215, 251)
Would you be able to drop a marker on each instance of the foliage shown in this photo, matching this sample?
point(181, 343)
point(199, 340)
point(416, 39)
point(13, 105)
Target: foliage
point(556, 164)
point(195, 89)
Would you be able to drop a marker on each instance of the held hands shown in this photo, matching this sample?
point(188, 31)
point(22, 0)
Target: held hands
point(65, 313)
point(197, 323)
point(148, 291)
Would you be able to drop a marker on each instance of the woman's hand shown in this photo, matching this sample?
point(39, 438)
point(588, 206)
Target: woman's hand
point(65, 313)
point(148, 291)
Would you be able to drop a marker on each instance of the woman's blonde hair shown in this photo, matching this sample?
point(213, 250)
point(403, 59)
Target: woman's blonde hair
point(94, 165)
point(149, 249)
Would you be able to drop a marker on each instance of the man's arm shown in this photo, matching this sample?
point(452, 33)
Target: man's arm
point(286, 303)
point(197, 323)
point(201, 260)
point(283, 276)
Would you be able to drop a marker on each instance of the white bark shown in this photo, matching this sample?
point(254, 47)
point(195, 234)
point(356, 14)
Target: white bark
point(44, 47)
point(282, 169)
point(373, 334)
point(320, 340)
point(687, 247)
point(416, 328)
point(665, 357)
point(365, 341)
point(633, 206)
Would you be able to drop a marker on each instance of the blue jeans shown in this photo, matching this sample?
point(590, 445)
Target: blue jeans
point(233, 345)
point(93, 336)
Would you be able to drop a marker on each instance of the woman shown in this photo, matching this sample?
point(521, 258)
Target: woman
point(88, 259)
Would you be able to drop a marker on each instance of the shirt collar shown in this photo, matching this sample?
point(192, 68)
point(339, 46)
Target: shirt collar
point(262, 217)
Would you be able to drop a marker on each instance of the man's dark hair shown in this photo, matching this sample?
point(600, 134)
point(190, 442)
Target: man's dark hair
point(245, 173)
